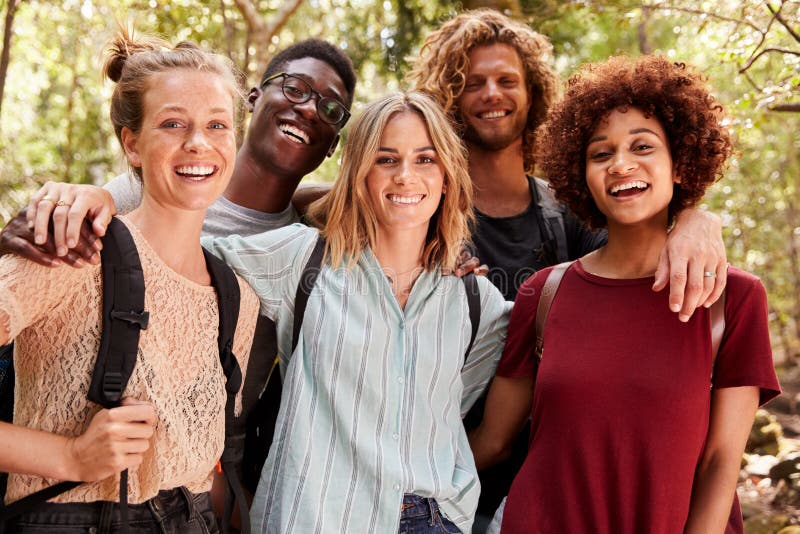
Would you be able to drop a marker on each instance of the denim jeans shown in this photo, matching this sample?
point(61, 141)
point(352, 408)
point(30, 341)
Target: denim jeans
point(175, 511)
point(420, 515)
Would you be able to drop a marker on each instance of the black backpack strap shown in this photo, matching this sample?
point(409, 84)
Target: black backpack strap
point(307, 280)
point(550, 217)
point(474, 304)
point(228, 297)
point(123, 317)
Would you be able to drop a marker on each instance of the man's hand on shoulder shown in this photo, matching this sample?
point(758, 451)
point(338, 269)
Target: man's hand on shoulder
point(693, 262)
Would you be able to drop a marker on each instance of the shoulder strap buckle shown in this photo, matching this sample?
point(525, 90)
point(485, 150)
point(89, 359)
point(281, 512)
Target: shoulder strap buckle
point(133, 318)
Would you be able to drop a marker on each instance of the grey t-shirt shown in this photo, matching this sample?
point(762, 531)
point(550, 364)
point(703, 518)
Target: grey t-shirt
point(223, 217)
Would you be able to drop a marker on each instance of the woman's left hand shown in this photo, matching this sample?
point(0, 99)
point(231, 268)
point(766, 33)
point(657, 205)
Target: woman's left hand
point(68, 205)
point(693, 262)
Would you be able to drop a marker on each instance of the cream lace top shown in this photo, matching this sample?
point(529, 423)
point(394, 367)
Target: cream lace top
point(55, 317)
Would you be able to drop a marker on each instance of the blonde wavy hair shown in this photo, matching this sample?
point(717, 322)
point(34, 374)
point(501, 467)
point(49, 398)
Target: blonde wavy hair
point(443, 64)
point(346, 217)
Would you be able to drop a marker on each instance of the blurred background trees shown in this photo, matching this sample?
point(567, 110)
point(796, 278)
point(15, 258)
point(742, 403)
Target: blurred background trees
point(53, 101)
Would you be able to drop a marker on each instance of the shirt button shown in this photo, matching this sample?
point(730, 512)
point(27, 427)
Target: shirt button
point(397, 487)
point(395, 436)
point(400, 380)
point(402, 325)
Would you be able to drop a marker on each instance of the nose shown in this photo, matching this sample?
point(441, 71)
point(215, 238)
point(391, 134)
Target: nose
point(308, 109)
point(405, 173)
point(196, 141)
point(622, 164)
point(491, 90)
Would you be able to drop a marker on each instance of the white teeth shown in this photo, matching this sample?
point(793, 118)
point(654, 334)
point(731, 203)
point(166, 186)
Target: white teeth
point(415, 199)
point(492, 114)
point(637, 184)
point(195, 170)
point(297, 134)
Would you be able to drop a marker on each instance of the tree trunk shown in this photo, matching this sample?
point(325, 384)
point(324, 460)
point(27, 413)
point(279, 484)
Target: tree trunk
point(262, 31)
point(5, 57)
point(641, 31)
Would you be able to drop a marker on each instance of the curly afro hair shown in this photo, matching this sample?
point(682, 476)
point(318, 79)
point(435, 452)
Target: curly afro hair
point(673, 93)
point(442, 66)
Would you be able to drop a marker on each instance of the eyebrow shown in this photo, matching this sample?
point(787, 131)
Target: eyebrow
point(309, 80)
point(181, 109)
point(395, 151)
point(632, 132)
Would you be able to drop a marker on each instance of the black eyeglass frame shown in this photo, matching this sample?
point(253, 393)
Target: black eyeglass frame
point(320, 100)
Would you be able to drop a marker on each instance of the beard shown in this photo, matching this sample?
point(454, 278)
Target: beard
point(492, 139)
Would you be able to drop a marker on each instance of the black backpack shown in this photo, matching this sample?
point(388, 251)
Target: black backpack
point(123, 319)
point(262, 419)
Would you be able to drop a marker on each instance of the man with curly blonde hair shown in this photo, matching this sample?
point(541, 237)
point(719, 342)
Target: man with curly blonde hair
point(493, 77)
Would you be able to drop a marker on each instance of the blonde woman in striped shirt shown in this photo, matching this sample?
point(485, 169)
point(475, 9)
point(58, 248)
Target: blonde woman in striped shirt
point(369, 436)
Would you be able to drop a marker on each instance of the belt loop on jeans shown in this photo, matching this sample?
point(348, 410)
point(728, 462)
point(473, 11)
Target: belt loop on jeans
point(432, 507)
point(106, 516)
point(191, 511)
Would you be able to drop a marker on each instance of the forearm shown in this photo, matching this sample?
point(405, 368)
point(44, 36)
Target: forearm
point(44, 454)
point(487, 449)
point(712, 494)
point(508, 405)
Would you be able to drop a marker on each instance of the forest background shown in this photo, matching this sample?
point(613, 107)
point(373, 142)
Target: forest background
point(54, 103)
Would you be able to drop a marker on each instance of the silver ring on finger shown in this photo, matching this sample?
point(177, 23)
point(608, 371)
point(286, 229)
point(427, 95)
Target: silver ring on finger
point(709, 274)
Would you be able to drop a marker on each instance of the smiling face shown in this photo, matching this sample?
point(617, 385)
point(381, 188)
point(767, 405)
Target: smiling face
point(186, 145)
point(290, 137)
point(629, 169)
point(406, 180)
point(494, 105)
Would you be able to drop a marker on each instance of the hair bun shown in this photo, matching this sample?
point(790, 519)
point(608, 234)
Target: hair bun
point(124, 45)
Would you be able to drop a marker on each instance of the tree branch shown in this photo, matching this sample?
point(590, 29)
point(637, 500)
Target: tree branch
point(251, 15)
point(282, 15)
point(783, 22)
point(788, 108)
point(767, 50)
point(706, 13)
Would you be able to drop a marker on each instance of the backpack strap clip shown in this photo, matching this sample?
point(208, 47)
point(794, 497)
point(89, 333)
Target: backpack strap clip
point(133, 318)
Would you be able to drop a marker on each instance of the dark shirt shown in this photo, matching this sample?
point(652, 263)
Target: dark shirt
point(514, 248)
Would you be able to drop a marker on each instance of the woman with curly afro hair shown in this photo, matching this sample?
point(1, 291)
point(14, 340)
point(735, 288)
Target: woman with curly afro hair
point(628, 434)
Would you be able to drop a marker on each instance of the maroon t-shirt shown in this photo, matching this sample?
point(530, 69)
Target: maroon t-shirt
point(621, 404)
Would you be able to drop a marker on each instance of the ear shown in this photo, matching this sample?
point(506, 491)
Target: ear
point(129, 140)
point(444, 185)
point(334, 144)
point(676, 179)
point(254, 94)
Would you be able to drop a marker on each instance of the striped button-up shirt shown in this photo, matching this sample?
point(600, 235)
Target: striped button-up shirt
point(373, 394)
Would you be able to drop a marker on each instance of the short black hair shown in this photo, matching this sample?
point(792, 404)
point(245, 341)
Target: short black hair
point(317, 49)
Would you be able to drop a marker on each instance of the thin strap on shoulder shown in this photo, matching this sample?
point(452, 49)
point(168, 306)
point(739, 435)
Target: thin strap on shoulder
point(474, 304)
point(716, 318)
point(307, 280)
point(545, 300)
